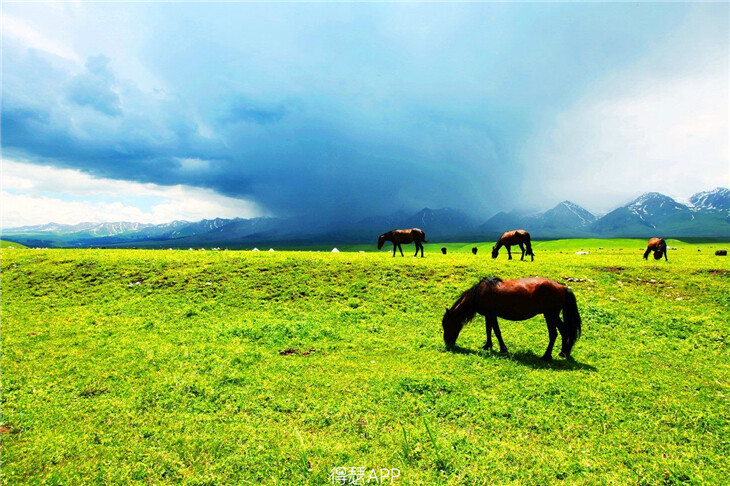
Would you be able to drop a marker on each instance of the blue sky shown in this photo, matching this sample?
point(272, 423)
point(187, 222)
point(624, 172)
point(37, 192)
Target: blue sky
point(349, 110)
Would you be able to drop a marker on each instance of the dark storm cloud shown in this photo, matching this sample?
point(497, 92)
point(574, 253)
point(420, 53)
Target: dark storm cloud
point(241, 109)
point(338, 111)
point(94, 87)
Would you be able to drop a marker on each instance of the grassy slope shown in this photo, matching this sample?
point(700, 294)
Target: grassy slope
point(180, 377)
point(6, 244)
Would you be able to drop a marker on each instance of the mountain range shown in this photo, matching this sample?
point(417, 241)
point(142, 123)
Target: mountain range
point(705, 215)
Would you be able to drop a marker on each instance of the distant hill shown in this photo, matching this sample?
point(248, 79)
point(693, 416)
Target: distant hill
point(91, 229)
point(565, 220)
point(706, 214)
point(715, 200)
point(440, 224)
point(654, 213)
point(10, 244)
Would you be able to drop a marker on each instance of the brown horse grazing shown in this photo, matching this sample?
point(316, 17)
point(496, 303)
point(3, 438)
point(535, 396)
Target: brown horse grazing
point(398, 236)
point(474, 250)
point(659, 247)
point(514, 237)
point(516, 300)
point(443, 250)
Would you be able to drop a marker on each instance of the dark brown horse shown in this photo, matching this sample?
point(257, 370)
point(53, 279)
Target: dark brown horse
point(398, 236)
point(474, 250)
point(659, 247)
point(516, 300)
point(514, 237)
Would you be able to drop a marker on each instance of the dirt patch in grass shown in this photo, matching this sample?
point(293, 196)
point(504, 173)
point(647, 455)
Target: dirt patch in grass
point(5, 430)
point(291, 351)
point(611, 269)
point(718, 271)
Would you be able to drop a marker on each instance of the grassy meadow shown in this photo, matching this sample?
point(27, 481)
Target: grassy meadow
point(10, 244)
point(238, 367)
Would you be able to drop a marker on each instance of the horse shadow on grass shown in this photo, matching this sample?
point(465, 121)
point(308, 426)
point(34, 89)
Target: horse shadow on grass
point(528, 358)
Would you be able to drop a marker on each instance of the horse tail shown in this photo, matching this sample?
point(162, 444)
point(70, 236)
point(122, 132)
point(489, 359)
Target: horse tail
point(423, 237)
point(529, 247)
point(571, 317)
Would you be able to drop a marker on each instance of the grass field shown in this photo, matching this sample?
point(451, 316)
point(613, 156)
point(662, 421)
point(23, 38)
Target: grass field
point(10, 244)
point(165, 366)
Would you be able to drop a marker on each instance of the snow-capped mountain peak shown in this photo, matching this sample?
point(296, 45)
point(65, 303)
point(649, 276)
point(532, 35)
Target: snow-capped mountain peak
point(717, 199)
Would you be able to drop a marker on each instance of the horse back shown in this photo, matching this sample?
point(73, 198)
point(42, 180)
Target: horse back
point(403, 235)
point(515, 237)
point(656, 243)
point(524, 298)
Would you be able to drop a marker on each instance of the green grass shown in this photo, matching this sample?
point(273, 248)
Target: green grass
point(8, 244)
point(164, 367)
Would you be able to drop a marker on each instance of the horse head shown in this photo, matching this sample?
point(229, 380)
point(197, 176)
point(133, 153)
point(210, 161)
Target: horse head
point(452, 327)
point(495, 251)
point(381, 241)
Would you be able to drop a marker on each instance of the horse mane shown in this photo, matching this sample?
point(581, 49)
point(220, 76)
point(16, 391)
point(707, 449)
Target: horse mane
point(491, 281)
point(468, 313)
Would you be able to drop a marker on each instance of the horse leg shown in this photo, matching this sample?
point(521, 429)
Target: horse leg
point(665, 255)
point(421, 245)
point(563, 338)
point(509, 253)
point(522, 247)
point(401, 250)
point(395, 247)
point(552, 333)
point(498, 333)
point(489, 322)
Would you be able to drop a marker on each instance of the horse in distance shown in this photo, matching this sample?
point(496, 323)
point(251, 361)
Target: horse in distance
point(514, 237)
point(400, 236)
point(659, 247)
point(516, 300)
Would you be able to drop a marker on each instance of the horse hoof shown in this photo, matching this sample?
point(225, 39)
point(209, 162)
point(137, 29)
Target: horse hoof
point(503, 350)
point(562, 354)
point(486, 347)
point(546, 358)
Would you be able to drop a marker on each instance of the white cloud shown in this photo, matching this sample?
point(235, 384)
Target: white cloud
point(34, 194)
point(17, 29)
point(634, 134)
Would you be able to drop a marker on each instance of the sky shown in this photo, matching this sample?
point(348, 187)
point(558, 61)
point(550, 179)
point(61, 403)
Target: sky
point(153, 112)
